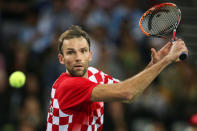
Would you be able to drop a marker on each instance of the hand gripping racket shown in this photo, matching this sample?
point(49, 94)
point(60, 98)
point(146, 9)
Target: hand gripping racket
point(160, 20)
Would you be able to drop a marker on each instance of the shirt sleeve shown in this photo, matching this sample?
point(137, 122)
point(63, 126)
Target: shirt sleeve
point(74, 91)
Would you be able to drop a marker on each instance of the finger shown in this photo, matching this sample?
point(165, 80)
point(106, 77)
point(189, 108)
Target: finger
point(179, 41)
point(153, 51)
point(177, 60)
point(185, 49)
point(181, 49)
point(155, 54)
point(168, 45)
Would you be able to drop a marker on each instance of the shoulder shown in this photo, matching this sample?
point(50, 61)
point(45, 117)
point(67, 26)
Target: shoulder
point(95, 75)
point(92, 70)
point(98, 76)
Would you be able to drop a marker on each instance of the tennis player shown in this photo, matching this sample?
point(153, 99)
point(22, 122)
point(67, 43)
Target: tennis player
point(77, 96)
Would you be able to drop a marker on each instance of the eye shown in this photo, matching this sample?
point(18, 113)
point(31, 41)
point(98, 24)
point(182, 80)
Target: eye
point(84, 51)
point(70, 52)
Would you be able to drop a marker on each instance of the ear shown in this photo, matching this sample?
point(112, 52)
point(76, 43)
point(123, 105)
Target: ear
point(90, 56)
point(61, 60)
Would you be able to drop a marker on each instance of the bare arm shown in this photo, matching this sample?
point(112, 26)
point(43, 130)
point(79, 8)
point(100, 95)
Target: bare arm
point(127, 90)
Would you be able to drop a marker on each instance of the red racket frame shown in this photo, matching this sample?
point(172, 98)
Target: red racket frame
point(173, 29)
point(154, 8)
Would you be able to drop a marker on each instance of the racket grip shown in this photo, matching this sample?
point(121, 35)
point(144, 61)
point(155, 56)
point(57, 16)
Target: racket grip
point(183, 56)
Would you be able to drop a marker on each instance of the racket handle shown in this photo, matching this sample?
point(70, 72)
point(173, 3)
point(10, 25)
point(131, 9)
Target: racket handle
point(183, 56)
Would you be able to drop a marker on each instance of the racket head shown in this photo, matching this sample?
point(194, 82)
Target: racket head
point(160, 19)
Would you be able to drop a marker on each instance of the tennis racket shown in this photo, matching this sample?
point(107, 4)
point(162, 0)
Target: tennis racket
point(160, 21)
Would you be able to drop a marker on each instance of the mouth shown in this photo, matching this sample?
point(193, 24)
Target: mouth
point(78, 66)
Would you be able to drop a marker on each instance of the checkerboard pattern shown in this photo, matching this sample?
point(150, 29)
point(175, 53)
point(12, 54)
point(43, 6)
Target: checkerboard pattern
point(97, 76)
point(59, 121)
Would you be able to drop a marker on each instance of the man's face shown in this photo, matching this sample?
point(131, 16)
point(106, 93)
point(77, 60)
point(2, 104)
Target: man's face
point(76, 56)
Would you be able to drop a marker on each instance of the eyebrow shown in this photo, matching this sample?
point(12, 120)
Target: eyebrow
point(84, 48)
point(70, 49)
point(74, 49)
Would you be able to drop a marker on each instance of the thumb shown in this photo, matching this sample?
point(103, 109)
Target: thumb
point(155, 54)
point(153, 51)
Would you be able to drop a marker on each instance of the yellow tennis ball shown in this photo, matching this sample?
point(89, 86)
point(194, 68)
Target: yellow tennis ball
point(17, 79)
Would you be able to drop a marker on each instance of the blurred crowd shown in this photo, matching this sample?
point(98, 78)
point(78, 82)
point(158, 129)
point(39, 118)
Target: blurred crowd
point(29, 33)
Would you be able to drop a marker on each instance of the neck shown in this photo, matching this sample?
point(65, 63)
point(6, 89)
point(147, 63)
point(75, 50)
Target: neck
point(84, 76)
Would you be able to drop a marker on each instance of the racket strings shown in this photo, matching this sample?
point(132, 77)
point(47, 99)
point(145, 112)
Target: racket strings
point(160, 20)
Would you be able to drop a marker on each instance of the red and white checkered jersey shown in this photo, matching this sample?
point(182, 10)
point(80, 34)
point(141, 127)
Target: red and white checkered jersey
point(71, 109)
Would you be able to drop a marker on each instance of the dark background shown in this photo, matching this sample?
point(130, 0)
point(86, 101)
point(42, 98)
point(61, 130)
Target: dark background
point(29, 32)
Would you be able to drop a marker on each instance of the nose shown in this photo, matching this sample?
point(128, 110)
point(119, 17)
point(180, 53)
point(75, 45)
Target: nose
point(78, 57)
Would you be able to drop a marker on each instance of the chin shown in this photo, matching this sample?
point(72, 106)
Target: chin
point(78, 73)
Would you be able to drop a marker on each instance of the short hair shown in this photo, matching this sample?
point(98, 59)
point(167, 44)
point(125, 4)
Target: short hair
point(73, 31)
